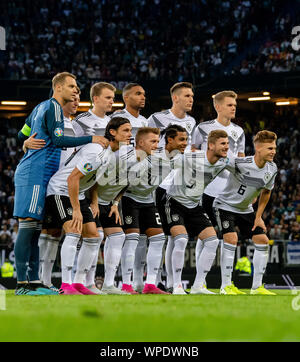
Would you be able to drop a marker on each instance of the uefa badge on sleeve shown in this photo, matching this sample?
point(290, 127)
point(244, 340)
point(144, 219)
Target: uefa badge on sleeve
point(88, 167)
point(58, 132)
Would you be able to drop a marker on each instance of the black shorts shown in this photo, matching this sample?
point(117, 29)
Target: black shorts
point(195, 220)
point(228, 221)
point(160, 201)
point(137, 215)
point(58, 210)
point(104, 220)
point(207, 204)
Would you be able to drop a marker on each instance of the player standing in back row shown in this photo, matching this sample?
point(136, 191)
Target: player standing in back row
point(225, 105)
point(182, 96)
point(134, 98)
point(94, 121)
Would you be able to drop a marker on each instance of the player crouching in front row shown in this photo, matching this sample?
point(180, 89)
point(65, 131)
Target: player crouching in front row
point(234, 208)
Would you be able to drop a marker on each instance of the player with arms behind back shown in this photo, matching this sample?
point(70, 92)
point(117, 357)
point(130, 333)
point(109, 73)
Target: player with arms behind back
point(182, 96)
point(225, 104)
point(134, 98)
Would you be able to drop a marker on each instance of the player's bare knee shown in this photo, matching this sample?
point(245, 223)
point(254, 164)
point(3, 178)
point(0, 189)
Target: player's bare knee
point(260, 239)
point(230, 238)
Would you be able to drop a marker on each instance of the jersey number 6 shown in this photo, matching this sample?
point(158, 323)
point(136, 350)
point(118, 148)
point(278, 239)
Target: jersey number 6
point(242, 189)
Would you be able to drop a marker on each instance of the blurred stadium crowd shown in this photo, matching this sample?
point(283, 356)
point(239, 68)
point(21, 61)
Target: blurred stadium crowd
point(135, 40)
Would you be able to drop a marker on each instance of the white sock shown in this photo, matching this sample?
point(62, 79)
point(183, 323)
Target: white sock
point(227, 260)
point(91, 274)
point(49, 259)
point(205, 260)
point(68, 252)
point(128, 255)
point(168, 261)
point(160, 269)
point(140, 261)
point(43, 241)
point(180, 243)
point(112, 256)
point(198, 250)
point(260, 260)
point(154, 256)
point(89, 249)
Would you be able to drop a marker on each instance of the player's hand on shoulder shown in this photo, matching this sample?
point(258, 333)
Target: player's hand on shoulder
point(101, 141)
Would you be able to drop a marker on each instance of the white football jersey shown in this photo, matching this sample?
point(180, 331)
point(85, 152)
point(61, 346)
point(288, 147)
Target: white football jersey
point(236, 137)
point(87, 160)
point(136, 122)
point(90, 124)
point(163, 119)
point(71, 129)
point(239, 192)
point(145, 176)
point(191, 175)
point(115, 178)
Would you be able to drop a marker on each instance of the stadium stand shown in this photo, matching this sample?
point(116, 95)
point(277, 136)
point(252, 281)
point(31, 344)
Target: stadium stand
point(136, 40)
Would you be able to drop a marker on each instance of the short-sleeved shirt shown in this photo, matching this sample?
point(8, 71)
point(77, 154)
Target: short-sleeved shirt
point(91, 124)
point(243, 186)
point(136, 122)
point(236, 137)
point(163, 119)
point(87, 160)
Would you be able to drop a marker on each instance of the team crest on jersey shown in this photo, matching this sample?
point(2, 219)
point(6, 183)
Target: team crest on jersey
point(88, 167)
point(225, 224)
point(58, 132)
point(39, 210)
point(128, 220)
point(234, 135)
point(267, 177)
point(188, 127)
point(175, 217)
point(69, 211)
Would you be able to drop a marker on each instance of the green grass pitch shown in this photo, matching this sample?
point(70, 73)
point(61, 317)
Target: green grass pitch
point(151, 318)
